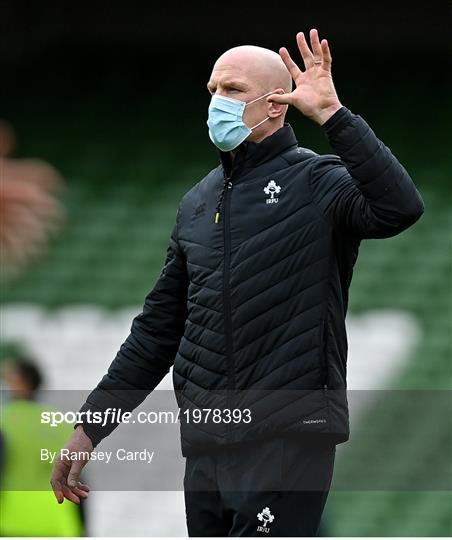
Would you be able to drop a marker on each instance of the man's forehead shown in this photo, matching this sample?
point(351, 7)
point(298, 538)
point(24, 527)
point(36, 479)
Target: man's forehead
point(232, 71)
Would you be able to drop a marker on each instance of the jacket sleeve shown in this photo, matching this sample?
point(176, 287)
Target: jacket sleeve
point(147, 354)
point(364, 190)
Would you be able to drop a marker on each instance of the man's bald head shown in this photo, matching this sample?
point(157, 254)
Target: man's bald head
point(247, 73)
point(261, 66)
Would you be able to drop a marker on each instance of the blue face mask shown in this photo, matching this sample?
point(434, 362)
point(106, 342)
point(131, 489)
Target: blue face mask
point(226, 126)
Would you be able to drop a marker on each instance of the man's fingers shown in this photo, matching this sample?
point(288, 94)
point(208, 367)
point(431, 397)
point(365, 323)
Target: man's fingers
point(327, 59)
point(65, 483)
point(316, 47)
point(84, 487)
point(294, 70)
point(72, 477)
point(57, 490)
point(57, 479)
point(82, 490)
point(70, 496)
point(305, 51)
point(81, 493)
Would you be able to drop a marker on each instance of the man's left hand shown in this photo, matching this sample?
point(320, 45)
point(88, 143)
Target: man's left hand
point(314, 95)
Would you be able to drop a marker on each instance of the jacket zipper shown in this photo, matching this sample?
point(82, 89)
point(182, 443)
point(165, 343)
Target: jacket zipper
point(227, 295)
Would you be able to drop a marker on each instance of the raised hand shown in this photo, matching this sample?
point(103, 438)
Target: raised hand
point(314, 95)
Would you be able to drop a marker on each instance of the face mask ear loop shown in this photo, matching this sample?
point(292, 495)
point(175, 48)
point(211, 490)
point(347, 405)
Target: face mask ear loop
point(257, 125)
point(261, 97)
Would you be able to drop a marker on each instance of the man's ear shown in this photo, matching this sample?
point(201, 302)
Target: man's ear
point(276, 109)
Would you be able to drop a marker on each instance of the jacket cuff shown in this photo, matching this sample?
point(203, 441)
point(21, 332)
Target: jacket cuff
point(96, 431)
point(339, 119)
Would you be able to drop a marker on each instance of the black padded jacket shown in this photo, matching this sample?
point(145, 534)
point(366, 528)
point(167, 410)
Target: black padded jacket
point(250, 305)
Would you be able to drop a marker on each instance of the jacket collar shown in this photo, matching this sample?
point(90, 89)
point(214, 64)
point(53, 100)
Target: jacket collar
point(252, 154)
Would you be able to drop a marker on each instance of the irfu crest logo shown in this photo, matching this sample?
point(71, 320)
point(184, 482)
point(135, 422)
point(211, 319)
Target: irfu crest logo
point(271, 189)
point(267, 517)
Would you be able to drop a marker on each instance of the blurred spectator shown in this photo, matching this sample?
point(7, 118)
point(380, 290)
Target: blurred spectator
point(31, 512)
point(29, 208)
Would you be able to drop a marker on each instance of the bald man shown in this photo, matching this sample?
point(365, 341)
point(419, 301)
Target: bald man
point(250, 305)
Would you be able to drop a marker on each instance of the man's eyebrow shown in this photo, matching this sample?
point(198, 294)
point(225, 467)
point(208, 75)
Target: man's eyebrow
point(229, 82)
point(234, 82)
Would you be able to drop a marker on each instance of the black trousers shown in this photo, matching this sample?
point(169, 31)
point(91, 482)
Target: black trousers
point(271, 488)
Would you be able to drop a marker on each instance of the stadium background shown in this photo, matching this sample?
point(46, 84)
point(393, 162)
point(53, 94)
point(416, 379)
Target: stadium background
point(114, 97)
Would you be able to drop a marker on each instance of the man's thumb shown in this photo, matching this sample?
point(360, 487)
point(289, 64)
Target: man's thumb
point(74, 473)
